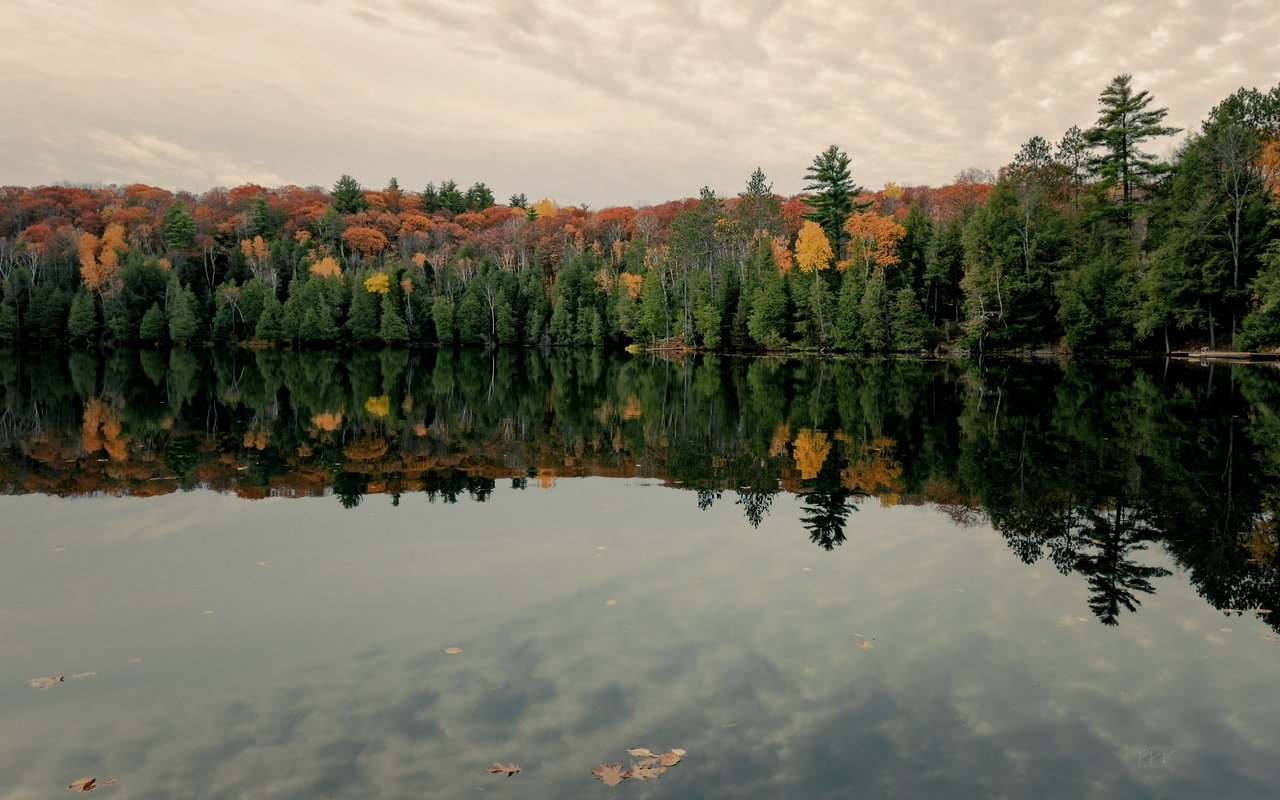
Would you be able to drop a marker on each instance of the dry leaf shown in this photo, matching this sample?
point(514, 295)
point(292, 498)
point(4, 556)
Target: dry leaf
point(806, 569)
point(610, 602)
point(680, 751)
point(89, 783)
point(504, 769)
point(645, 773)
point(79, 676)
point(453, 651)
point(609, 774)
point(640, 751)
point(669, 759)
point(59, 549)
point(865, 645)
point(262, 563)
point(44, 682)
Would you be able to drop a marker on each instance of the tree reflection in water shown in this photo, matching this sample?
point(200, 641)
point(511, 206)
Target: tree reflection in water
point(1091, 466)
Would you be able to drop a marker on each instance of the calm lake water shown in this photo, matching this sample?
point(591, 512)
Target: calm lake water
point(280, 575)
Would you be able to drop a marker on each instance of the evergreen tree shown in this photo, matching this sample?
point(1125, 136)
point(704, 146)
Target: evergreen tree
point(362, 317)
point(82, 322)
point(833, 195)
point(270, 325)
point(479, 197)
point(909, 324)
point(348, 197)
point(183, 323)
point(767, 321)
point(442, 315)
point(178, 227)
point(8, 322)
point(154, 326)
point(392, 329)
point(1124, 123)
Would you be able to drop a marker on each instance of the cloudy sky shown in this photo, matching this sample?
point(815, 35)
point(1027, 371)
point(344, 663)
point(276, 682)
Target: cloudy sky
point(598, 103)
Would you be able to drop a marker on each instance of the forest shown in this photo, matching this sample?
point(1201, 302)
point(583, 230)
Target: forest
point(1087, 243)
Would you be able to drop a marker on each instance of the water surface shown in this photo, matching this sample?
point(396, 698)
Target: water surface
point(829, 579)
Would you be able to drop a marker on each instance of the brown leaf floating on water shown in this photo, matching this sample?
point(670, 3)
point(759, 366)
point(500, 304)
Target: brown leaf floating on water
point(669, 759)
point(640, 751)
point(44, 682)
point(645, 773)
point(610, 602)
point(453, 651)
point(504, 769)
point(89, 783)
point(864, 645)
point(609, 774)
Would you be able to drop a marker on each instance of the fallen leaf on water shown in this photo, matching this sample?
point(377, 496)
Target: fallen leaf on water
point(59, 549)
point(79, 676)
point(669, 759)
point(609, 774)
point(262, 563)
point(208, 611)
point(865, 645)
point(44, 682)
point(806, 569)
point(135, 661)
point(610, 602)
point(453, 651)
point(680, 751)
point(504, 769)
point(645, 773)
point(89, 783)
point(640, 751)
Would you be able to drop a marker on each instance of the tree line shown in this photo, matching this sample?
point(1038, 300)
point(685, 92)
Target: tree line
point(1088, 243)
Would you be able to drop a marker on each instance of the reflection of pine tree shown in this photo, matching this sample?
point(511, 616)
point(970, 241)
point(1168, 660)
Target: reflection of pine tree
point(826, 503)
point(1113, 577)
point(755, 504)
point(350, 488)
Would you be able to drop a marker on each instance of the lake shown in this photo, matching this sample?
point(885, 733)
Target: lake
point(374, 575)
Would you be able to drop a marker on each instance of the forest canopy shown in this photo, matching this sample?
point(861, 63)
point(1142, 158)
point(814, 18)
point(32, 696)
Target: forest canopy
point(1087, 242)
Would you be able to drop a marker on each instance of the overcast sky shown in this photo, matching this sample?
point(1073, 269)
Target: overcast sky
point(600, 103)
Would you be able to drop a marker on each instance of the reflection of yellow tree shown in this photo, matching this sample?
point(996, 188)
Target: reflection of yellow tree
point(101, 430)
point(810, 450)
point(874, 470)
point(378, 406)
point(327, 420)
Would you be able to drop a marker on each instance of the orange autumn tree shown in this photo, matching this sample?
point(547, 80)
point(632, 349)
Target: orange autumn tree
point(873, 242)
point(100, 259)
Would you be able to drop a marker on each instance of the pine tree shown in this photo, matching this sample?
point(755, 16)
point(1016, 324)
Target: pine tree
point(1124, 123)
point(833, 195)
point(392, 329)
point(178, 227)
point(348, 197)
point(154, 326)
point(82, 323)
point(183, 324)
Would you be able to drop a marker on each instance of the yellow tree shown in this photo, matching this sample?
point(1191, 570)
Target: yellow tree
point(813, 254)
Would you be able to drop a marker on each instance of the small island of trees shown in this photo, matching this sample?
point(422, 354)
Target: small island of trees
point(1089, 243)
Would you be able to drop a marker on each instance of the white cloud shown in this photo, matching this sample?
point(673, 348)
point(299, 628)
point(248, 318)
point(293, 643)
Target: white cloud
point(584, 102)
